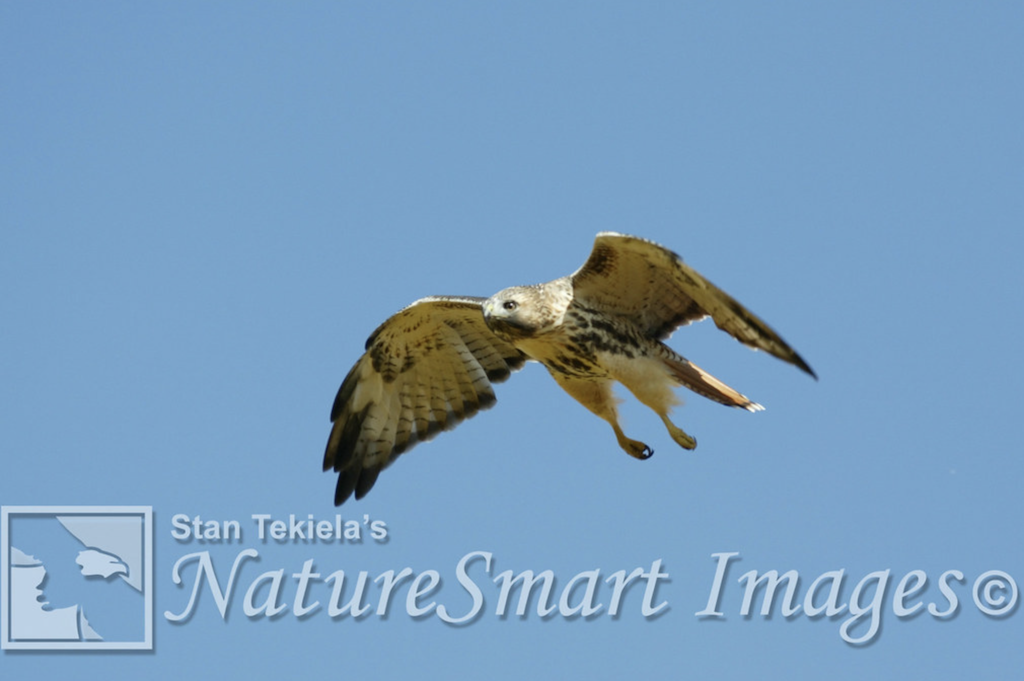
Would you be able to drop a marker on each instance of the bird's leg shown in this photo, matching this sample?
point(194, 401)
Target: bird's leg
point(596, 395)
point(682, 439)
point(634, 448)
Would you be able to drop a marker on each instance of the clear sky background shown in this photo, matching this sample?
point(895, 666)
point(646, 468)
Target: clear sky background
point(207, 207)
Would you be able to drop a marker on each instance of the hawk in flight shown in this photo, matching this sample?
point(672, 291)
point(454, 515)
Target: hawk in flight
point(432, 364)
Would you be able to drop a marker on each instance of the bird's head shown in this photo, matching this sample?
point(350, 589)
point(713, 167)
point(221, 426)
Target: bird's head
point(522, 311)
point(510, 313)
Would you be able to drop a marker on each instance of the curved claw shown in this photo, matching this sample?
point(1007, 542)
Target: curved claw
point(682, 439)
point(637, 449)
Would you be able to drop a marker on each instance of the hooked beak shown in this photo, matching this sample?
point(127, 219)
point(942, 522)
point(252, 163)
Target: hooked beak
point(488, 308)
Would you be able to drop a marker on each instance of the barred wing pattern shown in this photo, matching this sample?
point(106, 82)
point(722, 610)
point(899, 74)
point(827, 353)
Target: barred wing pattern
point(651, 288)
point(426, 369)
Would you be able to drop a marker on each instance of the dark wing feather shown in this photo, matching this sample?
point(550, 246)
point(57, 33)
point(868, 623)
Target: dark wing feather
point(652, 288)
point(425, 369)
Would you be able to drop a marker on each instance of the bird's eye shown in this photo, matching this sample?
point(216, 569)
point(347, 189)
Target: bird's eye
point(510, 305)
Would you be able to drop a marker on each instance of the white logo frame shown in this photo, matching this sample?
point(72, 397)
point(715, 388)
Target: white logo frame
point(9, 512)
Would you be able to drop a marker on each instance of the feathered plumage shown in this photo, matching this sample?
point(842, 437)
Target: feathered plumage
point(432, 365)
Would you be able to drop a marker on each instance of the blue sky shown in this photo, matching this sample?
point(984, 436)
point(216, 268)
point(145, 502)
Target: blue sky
point(207, 207)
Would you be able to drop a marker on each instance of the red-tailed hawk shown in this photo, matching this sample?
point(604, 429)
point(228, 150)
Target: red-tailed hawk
point(431, 365)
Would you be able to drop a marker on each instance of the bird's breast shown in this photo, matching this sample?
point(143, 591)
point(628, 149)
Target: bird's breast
point(561, 355)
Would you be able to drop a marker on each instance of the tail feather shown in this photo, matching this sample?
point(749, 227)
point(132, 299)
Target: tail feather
point(701, 382)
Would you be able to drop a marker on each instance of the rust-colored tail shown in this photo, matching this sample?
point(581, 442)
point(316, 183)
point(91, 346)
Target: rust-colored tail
point(701, 382)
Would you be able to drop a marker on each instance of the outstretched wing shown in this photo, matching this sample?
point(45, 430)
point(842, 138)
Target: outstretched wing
point(425, 369)
point(652, 288)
